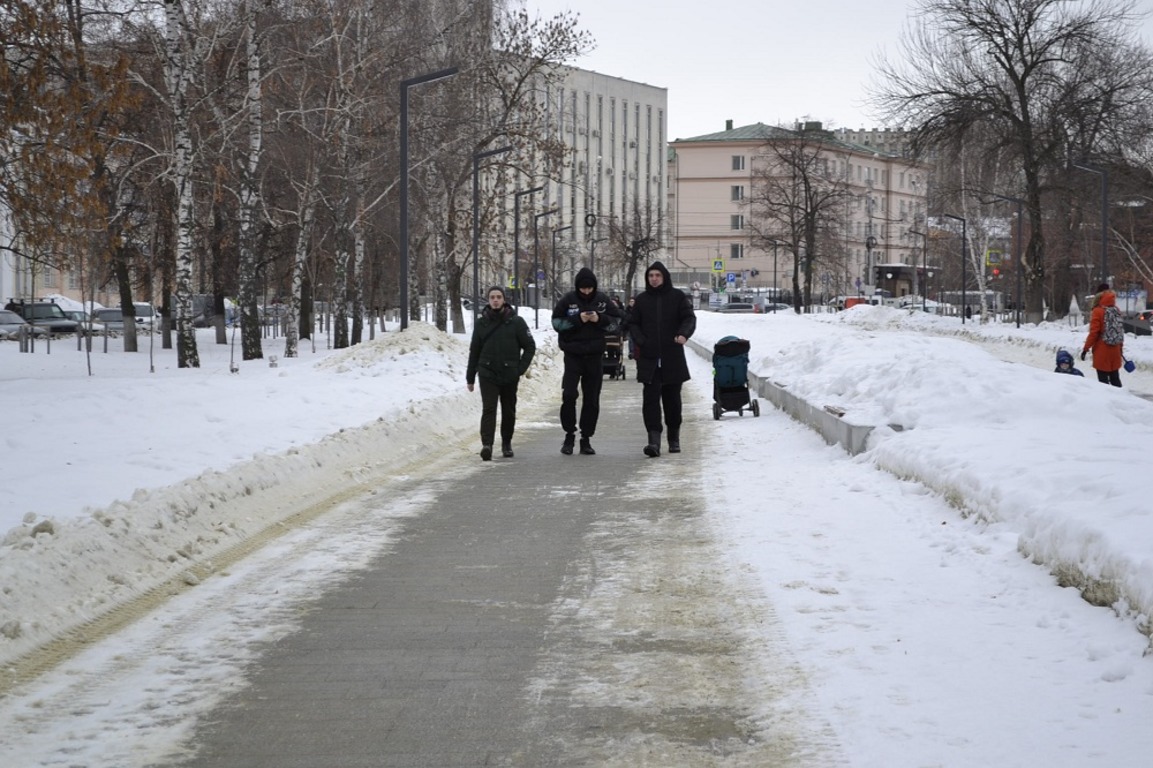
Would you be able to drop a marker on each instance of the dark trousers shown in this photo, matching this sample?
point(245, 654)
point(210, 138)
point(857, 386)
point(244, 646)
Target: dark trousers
point(583, 377)
point(1109, 377)
point(657, 394)
point(490, 394)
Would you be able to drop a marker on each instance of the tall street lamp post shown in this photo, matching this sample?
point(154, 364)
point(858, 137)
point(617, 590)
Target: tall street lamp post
point(1104, 174)
point(776, 287)
point(1018, 266)
point(924, 248)
point(476, 158)
point(593, 252)
point(516, 240)
point(552, 272)
point(536, 262)
point(431, 77)
point(964, 238)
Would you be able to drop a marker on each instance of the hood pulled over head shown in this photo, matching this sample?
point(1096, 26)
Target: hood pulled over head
point(666, 284)
point(585, 279)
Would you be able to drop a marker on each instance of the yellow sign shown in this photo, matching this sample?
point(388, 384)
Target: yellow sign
point(992, 258)
point(718, 265)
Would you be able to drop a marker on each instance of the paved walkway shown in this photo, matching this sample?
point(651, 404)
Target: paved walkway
point(545, 611)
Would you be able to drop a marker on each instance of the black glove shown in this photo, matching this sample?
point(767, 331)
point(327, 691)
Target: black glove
point(1083, 353)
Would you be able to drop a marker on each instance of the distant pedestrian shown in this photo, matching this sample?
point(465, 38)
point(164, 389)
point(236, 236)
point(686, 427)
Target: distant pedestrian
point(501, 351)
point(1106, 337)
point(628, 313)
point(1065, 363)
point(582, 318)
point(661, 323)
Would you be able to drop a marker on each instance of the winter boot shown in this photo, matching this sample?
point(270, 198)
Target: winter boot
point(675, 440)
point(486, 453)
point(506, 448)
point(653, 449)
point(587, 447)
point(569, 442)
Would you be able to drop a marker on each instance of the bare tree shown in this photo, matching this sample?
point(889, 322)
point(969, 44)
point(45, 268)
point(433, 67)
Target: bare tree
point(1022, 72)
point(797, 199)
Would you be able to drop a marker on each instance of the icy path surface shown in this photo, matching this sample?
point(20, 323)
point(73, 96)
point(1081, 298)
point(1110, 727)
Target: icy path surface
point(942, 648)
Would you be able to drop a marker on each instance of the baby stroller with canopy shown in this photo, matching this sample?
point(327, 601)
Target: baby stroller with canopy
point(731, 378)
point(613, 362)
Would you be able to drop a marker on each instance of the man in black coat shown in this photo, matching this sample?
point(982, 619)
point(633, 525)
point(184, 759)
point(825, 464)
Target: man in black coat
point(581, 319)
point(660, 324)
point(500, 353)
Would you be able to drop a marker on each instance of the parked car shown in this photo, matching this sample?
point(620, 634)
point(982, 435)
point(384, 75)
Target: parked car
point(737, 306)
point(11, 325)
point(145, 315)
point(79, 315)
point(46, 314)
point(778, 308)
point(108, 320)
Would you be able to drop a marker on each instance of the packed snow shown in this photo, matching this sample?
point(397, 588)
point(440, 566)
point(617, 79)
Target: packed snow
point(1009, 626)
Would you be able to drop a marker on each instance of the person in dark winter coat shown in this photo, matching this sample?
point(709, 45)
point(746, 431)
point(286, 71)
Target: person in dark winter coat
point(1107, 358)
point(581, 319)
point(1065, 363)
point(501, 351)
point(660, 324)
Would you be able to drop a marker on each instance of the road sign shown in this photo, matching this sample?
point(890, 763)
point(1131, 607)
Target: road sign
point(992, 258)
point(718, 265)
point(731, 277)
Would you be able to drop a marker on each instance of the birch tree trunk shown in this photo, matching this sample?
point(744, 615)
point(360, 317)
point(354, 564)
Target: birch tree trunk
point(249, 194)
point(300, 258)
point(177, 72)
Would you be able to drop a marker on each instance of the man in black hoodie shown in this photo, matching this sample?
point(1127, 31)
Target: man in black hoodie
point(582, 318)
point(660, 324)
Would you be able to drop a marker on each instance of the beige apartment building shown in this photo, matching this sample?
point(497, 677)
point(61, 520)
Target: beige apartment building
point(878, 248)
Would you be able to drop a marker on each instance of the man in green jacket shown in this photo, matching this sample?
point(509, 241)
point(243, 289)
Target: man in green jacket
point(501, 350)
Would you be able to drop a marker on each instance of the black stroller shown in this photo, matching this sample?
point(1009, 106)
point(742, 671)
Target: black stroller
point(613, 362)
point(731, 378)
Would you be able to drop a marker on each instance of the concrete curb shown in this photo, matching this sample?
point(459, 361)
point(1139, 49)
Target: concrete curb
point(828, 421)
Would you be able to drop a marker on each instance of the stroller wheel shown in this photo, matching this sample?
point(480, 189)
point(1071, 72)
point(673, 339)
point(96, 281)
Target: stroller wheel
point(717, 411)
point(756, 408)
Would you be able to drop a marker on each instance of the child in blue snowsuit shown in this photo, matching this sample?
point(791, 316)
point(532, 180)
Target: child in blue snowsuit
point(1065, 363)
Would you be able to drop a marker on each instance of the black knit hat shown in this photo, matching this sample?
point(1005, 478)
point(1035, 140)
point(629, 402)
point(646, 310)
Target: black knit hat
point(1102, 287)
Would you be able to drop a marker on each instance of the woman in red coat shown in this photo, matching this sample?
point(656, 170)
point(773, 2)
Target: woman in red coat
point(1107, 358)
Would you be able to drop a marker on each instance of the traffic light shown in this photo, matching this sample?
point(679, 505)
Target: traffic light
point(996, 271)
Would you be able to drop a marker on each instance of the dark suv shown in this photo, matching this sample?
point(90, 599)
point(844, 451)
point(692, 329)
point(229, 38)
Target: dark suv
point(46, 314)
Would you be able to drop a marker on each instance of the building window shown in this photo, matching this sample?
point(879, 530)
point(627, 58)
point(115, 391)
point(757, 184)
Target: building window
point(738, 162)
point(737, 192)
point(736, 251)
point(737, 221)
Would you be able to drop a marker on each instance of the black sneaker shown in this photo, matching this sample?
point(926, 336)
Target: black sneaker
point(486, 453)
point(586, 447)
point(569, 442)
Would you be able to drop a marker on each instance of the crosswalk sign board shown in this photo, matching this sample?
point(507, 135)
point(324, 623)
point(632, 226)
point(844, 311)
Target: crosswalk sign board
point(718, 265)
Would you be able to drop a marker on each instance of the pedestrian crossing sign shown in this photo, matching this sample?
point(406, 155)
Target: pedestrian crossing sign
point(718, 265)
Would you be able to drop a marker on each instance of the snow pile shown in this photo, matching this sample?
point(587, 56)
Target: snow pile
point(61, 573)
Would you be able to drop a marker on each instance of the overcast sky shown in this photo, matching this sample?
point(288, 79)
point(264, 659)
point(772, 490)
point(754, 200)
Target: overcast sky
point(746, 60)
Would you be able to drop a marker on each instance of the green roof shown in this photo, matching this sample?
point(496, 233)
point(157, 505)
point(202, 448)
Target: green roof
point(754, 132)
point(762, 132)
